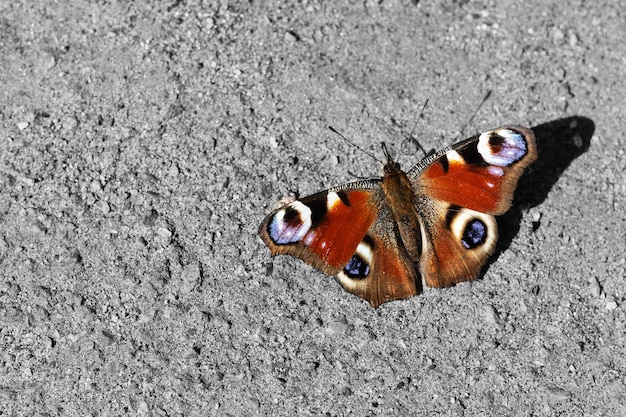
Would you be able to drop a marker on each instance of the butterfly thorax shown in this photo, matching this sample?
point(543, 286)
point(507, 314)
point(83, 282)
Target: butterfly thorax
point(399, 196)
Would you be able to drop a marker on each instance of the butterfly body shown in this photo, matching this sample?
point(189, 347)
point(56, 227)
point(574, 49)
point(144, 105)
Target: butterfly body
point(385, 238)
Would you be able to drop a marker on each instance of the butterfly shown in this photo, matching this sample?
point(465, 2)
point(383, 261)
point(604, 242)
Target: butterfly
point(386, 238)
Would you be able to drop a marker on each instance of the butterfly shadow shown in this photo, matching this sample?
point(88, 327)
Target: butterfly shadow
point(559, 142)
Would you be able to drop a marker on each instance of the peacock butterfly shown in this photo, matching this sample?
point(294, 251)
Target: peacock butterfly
point(385, 238)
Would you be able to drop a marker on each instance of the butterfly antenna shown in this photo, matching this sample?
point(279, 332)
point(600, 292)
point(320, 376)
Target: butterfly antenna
point(386, 151)
point(475, 113)
point(410, 137)
point(355, 145)
point(420, 117)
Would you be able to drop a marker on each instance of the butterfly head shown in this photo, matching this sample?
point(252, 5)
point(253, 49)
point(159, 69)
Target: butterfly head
point(391, 166)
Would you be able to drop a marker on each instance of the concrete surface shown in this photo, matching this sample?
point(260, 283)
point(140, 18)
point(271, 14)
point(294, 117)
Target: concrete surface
point(141, 144)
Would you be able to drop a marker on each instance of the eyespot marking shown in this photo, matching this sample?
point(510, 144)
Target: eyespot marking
point(290, 224)
point(502, 147)
point(474, 234)
point(356, 267)
point(472, 229)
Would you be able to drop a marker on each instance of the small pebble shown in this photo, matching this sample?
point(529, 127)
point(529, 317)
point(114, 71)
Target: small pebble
point(336, 328)
point(49, 62)
point(490, 314)
point(536, 216)
point(142, 408)
point(291, 37)
point(558, 35)
point(69, 123)
point(27, 181)
point(190, 277)
point(594, 287)
point(163, 232)
point(558, 395)
point(273, 141)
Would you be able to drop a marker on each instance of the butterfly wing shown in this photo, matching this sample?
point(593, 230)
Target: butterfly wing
point(348, 232)
point(458, 192)
point(381, 270)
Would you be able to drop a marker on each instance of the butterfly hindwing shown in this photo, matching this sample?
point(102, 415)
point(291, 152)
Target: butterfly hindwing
point(457, 243)
point(381, 270)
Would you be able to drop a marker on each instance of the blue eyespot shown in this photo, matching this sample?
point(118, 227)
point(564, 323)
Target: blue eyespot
point(356, 267)
point(474, 234)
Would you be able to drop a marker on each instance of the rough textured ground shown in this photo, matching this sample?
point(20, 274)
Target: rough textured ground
point(141, 143)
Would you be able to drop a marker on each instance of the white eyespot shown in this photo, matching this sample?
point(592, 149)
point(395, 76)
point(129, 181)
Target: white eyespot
point(290, 224)
point(502, 147)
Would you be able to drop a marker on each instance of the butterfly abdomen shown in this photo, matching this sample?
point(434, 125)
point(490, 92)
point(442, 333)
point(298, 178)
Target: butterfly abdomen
point(399, 196)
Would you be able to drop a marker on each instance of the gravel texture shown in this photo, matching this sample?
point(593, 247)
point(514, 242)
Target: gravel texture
point(141, 144)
